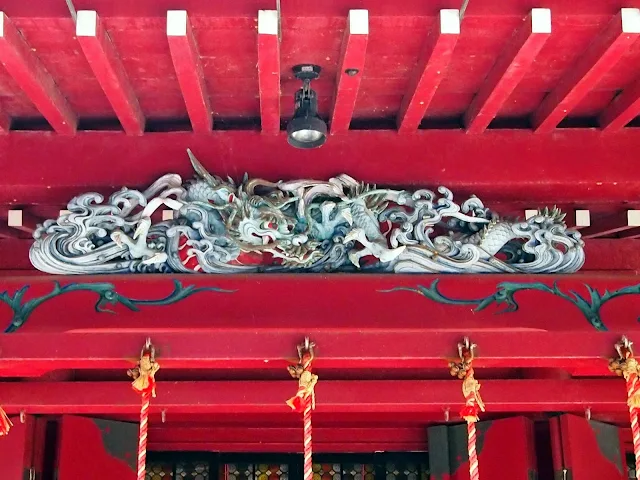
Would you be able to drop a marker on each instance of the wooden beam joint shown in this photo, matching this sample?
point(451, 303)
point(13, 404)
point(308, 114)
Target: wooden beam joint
point(269, 70)
point(350, 70)
point(515, 61)
point(432, 66)
point(109, 71)
point(188, 67)
point(28, 72)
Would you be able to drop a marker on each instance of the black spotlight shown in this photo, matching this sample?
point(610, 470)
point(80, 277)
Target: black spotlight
point(306, 129)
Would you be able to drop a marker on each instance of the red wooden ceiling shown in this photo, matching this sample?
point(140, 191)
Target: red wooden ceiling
point(226, 35)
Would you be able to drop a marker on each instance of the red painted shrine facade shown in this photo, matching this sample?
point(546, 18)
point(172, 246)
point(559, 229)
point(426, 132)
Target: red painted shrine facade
point(524, 107)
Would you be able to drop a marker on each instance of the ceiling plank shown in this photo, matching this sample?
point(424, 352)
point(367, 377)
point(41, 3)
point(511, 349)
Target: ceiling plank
point(612, 224)
point(269, 70)
point(603, 53)
point(186, 61)
point(109, 71)
point(8, 234)
point(5, 123)
point(355, 396)
point(624, 108)
point(350, 70)
point(28, 72)
point(430, 71)
point(516, 60)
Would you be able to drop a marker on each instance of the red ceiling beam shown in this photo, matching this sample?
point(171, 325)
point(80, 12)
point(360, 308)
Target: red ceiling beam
point(509, 69)
point(612, 224)
point(269, 70)
point(28, 72)
point(350, 69)
point(264, 397)
point(116, 160)
point(109, 71)
point(31, 354)
point(430, 71)
point(186, 61)
point(603, 53)
point(624, 108)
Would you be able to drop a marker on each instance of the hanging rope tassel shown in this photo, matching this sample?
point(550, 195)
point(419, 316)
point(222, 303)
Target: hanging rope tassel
point(144, 383)
point(5, 423)
point(473, 402)
point(304, 401)
point(627, 366)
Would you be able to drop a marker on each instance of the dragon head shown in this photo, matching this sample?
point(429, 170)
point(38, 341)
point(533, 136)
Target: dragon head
point(548, 218)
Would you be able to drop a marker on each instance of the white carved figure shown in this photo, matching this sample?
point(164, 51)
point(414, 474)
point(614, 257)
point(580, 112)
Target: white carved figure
point(256, 225)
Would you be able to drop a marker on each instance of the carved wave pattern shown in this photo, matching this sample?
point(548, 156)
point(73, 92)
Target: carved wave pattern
point(339, 225)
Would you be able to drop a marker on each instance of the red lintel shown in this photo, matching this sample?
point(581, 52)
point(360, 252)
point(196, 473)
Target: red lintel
point(294, 446)
point(240, 438)
point(269, 70)
point(430, 71)
point(375, 434)
point(611, 175)
point(612, 224)
point(350, 69)
point(603, 53)
point(31, 76)
point(357, 396)
point(32, 354)
point(186, 61)
point(624, 108)
point(509, 69)
point(109, 71)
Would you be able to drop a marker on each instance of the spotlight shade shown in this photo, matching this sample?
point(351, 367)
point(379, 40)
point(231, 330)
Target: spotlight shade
point(306, 129)
point(306, 132)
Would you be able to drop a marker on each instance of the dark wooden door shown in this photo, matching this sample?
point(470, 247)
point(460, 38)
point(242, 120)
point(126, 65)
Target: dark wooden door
point(505, 448)
point(586, 450)
point(92, 449)
point(19, 450)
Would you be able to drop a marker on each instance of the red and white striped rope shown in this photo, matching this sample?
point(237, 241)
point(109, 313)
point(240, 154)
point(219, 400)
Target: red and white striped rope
point(142, 438)
point(308, 446)
point(473, 403)
point(474, 471)
point(144, 384)
point(627, 366)
point(633, 389)
point(304, 401)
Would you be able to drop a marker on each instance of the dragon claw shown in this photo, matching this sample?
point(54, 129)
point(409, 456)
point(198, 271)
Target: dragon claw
point(159, 257)
point(117, 238)
point(143, 227)
point(353, 257)
point(352, 235)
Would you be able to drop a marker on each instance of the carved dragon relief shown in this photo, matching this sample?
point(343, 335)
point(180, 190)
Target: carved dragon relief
point(219, 226)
